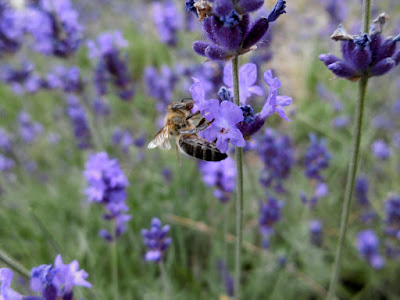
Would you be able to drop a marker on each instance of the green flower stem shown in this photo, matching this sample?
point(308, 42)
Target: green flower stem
point(14, 264)
point(114, 266)
point(351, 177)
point(239, 186)
point(166, 291)
point(352, 170)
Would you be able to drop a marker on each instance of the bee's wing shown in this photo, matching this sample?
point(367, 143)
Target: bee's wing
point(161, 139)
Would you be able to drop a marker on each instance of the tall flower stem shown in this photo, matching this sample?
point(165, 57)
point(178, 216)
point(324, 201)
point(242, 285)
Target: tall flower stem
point(239, 186)
point(14, 264)
point(352, 170)
point(164, 278)
point(114, 265)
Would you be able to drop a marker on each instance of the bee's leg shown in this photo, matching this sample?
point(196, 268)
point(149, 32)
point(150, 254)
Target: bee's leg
point(201, 126)
point(178, 154)
point(192, 115)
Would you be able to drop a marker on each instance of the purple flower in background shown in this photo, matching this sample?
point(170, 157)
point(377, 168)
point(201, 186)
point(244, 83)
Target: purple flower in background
point(111, 66)
point(277, 154)
point(368, 54)
point(321, 190)
point(77, 116)
point(226, 278)
point(270, 213)
point(58, 281)
point(247, 80)
point(368, 247)
point(225, 116)
point(28, 130)
point(380, 150)
point(316, 158)
point(11, 29)
point(156, 240)
point(316, 237)
point(107, 186)
point(361, 191)
point(396, 139)
point(5, 141)
point(6, 164)
point(168, 21)
point(6, 292)
point(226, 24)
point(160, 85)
point(67, 79)
point(123, 139)
point(340, 121)
point(101, 107)
point(337, 11)
point(392, 213)
point(55, 27)
point(221, 175)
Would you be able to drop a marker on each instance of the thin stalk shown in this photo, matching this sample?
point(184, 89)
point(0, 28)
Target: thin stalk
point(352, 170)
point(114, 263)
point(14, 264)
point(164, 278)
point(239, 186)
point(351, 177)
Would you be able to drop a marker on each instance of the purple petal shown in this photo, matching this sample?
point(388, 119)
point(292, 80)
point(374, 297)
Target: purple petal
point(231, 112)
point(236, 137)
point(383, 67)
point(216, 53)
point(341, 69)
point(250, 5)
point(283, 100)
point(256, 90)
point(256, 33)
point(281, 113)
point(361, 59)
point(248, 74)
point(222, 143)
point(200, 47)
point(228, 75)
point(328, 59)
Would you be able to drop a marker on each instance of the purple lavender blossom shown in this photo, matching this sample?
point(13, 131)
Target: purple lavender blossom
point(59, 280)
point(55, 27)
point(156, 240)
point(67, 79)
point(361, 190)
point(367, 245)
point(277, 154)
point(101, 107)
point(396, 139)
point(316, 237)
point(160, 85)
point(247, 80)
point(274, 104)
point(77, 116)
point(366, 55)
point(111, 66)
point(226, 24)
point(11, 29)
point(28, 130)
point(123, 139)
point(270, 213)
point(221, 175)
point(107, 186)
point(321, 190)
point(316, 158)
point(225, 116)
point(226, 278)
point(380, 150)
point(6, 164)
point(392, 213)
point(337, 11)
point(168, 21)
point(340, 121)
point(6, 292)
point(5, 141)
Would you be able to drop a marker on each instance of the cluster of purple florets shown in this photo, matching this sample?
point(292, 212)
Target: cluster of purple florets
point(156, 240)
point(107, 186)
point(277, 154)
point(226, 24)
point(270, 213)
point(77, 116)
point(368, 247)
point(365, 55)
point(51, 282)
point(111, 66)
point(220, 175)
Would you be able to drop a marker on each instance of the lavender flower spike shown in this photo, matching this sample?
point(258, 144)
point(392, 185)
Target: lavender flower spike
point(226, 24)
point(366, 55)
point(156, 240)
point(367, 245)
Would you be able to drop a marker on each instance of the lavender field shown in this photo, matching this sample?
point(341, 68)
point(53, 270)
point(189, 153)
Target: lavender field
point(213, 149)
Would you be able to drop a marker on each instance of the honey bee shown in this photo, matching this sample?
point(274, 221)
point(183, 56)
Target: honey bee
point(179, 124)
